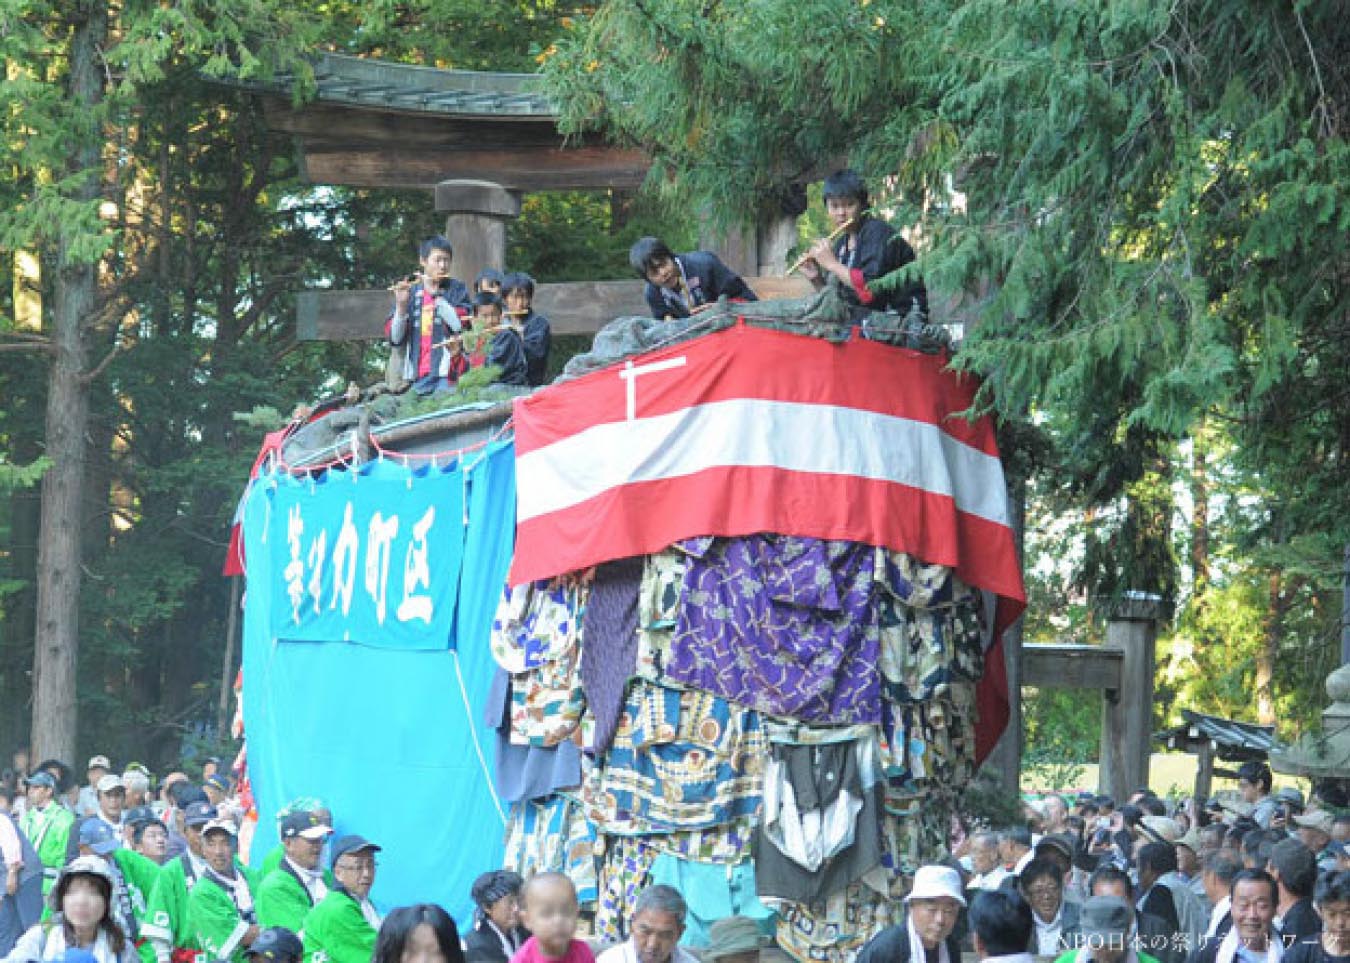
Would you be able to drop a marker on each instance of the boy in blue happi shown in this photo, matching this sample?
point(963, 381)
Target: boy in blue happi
point(679, 286)
point(867, 249)
point(518, 295)
point(428, 316)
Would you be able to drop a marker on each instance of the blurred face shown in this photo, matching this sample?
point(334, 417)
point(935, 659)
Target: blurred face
point(1335, 927)
point(1250, 791)
point(193, 835)
point(1055, 812)
point(1188, 864)
point(422, 946)
point(655, 935)
point(304, 852)
point(934, 919)
point(83, 903)
point(490, 286)
point(218, 851)
point(1113, 887)
point(551, 913)
point(437, 264)
point(39, 796)
point(487, 315)
point(664, 273)
point(983, 855)
point(1043, 895)
point(95, 774)
point(842, 210)
point(1253, 911)
point(517, 300)
point(112, 803)
point(154, 842)
point(209, 770)
point(356, 871)
point(213, 794)
point(1314, 839)
point(505, 913)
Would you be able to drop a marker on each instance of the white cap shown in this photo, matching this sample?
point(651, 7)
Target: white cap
point(98, 762)
point(932, 882)
point(222, 824)
point(110, 782)
point(1163, 828)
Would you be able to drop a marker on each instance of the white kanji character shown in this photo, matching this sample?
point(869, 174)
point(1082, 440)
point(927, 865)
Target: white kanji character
point(417, 572)
point(379, 537)
point(344, 562)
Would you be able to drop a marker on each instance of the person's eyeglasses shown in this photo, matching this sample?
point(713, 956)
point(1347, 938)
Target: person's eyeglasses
point(1048, 889)
point(364, 866)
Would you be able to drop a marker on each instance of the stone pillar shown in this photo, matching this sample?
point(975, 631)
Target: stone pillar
point(1127, 714)
point(758, 252)
point(476, 213)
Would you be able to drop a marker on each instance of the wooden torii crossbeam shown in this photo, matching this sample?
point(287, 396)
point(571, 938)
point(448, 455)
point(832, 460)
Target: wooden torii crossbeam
point(477, 139)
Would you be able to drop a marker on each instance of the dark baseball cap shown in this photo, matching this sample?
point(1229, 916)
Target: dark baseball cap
point(199, 813)
point(276, 943)
point(139, 816)
point(352, 844)
point(304, 824)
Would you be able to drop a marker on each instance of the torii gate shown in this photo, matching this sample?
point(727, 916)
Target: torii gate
point(477, 141)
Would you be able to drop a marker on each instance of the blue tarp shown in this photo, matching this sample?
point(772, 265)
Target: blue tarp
point(389, 737)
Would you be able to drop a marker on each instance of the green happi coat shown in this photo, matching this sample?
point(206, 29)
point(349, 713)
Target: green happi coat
point(166, 910)
point(214, 923)
point(283, 899)
point(141, 875)
point(49, 832)
point(336, 931)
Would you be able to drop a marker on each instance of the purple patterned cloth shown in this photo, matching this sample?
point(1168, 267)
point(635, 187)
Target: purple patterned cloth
point(609, 633)
point(783, 625)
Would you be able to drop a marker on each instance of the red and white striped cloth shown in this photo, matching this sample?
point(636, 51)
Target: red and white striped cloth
point(752, 430)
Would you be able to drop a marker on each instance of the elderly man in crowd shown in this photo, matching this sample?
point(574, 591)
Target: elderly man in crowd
point(654, 934)
point(1295, 871)
point(934, 904)
point(1042, 886)
point(87, 802)
point(987, 872)
point(1107, 934)
point(342, 927)
point(1252, 936)
point(1315, 830)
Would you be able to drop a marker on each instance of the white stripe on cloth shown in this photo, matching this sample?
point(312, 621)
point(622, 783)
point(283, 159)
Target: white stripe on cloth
point(750, 432)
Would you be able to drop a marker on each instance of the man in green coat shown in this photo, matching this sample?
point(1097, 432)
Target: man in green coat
point(304, 804)
point(289, 892)
point(166, 911)
point(220, 912)
point(47, 824)
point(342, 928)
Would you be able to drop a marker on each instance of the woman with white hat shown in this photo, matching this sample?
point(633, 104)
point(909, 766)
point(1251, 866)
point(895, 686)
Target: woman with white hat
point(82, 918)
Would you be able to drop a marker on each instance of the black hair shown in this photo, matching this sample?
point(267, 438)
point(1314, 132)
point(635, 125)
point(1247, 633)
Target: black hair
point(1223, 867)
point(1259, 876)
point(518, 281)
point(1334, 887)
point(1257, 773)
point(1159, 857)
point(485, 299)
point(846, 184)
point(138, 830)
point(1002, 921)
point(1332, 793)
point(1257, 844)
point(1296, 865)
point(488, 274)
point(1110, 873)
point(1021, 835)
point(64, 775)
point(494, 885)
point(437, 242)
point(1153, 806)
point(1106, 802)
point(398, 926)
point(1040, 868)
point(646, 253)
point(1130, 814)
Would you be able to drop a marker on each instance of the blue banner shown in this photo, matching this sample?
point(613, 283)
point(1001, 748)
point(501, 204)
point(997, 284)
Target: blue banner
point(387, 738)
point(369, 556)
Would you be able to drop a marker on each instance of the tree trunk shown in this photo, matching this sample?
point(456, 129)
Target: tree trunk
point(56, 648)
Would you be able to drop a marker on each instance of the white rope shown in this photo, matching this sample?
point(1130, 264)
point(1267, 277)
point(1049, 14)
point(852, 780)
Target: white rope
point(473, 732)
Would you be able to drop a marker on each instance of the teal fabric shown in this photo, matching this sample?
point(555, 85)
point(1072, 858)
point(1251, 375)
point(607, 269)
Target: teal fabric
point(357, 724)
